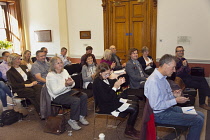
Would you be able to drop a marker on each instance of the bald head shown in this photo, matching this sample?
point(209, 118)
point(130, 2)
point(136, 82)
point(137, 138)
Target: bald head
point(113, 49)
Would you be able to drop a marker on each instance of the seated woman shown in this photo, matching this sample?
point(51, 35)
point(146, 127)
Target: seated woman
point(27, 59)
point(107, 56)
point(59, 84)
point(22, 81)
point(4, 91)
point(104, 90)
point(88, 71)
point(146, 61)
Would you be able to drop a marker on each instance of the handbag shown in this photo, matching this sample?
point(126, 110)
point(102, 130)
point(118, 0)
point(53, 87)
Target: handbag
point(55, 124)
point(9, 117)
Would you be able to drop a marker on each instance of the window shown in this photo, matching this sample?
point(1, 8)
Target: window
point(11, 24)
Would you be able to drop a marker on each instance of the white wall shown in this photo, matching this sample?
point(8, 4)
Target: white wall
point(184, 18)
point(85, 15)
point(41, 15)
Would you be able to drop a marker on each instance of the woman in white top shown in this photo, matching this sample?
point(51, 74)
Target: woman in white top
point(27, 59)
point(146, 61)
point(88, 71)
point(59, 84)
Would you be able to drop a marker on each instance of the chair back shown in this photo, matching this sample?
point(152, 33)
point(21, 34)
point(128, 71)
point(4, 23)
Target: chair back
point(45, 103)
point(74, 68)
point(148, 131)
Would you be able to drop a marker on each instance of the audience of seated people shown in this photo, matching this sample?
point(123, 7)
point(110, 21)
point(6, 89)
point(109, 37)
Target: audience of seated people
point(133, 68)
point(146, 61)
point(27, 59)
point(107, 56)
point(162, 100)
point(116, 58)
point(104, 90)
point(88, 71)
point(4, 67)
point(64, 58)
point(89, 50)
point(59, 84)
point(40, 68)
point(200, 83)
point(22, 81)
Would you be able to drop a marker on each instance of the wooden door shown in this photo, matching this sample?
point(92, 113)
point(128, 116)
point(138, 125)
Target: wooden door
point(130, 24)
point(121, 29)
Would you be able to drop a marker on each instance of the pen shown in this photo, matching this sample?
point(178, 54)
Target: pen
point(190, 109)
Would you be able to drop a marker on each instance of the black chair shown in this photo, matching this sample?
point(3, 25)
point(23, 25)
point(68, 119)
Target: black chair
point(73, 68)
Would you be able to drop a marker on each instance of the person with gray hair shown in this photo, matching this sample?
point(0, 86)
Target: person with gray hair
point(163, 100)
point(64, 58)
point(59, 85)
point(146, 61)
point(116, 58)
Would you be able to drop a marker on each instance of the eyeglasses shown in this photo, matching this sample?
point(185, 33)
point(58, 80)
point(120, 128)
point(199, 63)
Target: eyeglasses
point(180, 51)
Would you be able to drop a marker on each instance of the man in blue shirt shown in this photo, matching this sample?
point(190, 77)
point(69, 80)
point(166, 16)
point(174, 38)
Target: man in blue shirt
point(162, 99)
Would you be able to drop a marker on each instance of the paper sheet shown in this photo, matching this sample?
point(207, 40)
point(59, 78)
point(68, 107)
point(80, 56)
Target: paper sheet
point(189, 110)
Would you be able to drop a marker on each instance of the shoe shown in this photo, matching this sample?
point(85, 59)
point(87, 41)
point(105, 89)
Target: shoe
point(83, 120)
point(74, 124)
point(204, 106)
point(132, 133)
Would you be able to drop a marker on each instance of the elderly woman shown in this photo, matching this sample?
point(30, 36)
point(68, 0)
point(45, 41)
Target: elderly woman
point(107, 56)
point(27, 59)
point(22, 81)
point(146, 61)
point(88, 71)
point(104, 90)
point(59, 84)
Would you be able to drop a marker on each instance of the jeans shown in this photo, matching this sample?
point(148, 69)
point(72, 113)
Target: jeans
point(4, 89)
point(175, 116)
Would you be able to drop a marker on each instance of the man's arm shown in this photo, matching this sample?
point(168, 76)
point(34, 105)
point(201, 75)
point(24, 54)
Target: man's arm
point(39, 78)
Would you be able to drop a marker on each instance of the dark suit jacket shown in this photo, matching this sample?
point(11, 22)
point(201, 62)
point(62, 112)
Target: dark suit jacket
point(106, 98)
point(16, 80)
point(113, 60)
point(134, 74)
point(143, 63)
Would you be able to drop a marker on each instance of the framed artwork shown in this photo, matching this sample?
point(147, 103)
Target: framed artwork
point(85, 34)
point(43, 36)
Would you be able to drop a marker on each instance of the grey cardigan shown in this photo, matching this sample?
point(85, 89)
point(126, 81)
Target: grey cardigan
point(87, 74)
point(134, 74)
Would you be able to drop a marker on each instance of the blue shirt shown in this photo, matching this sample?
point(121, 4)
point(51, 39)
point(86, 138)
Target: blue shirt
point(65, 60)
point(158, 92)
point(4, 67)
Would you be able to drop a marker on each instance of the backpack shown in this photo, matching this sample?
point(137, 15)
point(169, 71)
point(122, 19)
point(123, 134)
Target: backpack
point(55, 124)
point(9, 117)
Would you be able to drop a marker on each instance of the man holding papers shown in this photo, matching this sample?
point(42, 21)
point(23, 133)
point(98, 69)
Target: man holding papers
point(162, 100)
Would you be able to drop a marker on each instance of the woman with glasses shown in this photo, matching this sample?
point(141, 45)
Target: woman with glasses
point(107, 100)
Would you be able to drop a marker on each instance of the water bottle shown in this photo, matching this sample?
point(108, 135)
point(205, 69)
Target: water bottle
point(101, 136)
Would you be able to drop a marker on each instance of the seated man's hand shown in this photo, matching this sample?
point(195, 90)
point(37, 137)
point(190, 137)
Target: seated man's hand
point(181, 99)
point(177, 93)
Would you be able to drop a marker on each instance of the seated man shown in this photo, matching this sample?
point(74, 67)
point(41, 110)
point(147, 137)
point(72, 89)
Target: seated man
point(44, 49)
point(89, 49)
point(162, 100)
point(134, 70)
point(4, 67)
point(116, 59)
point(64, 58)
point(40, 68)
point(199, 83)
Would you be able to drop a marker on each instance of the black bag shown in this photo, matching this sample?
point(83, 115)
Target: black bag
point(55, 125)
point(9, 117)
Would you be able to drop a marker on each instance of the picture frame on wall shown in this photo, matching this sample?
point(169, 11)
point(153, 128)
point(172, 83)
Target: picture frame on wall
point(85, 34)
point(43, 35)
